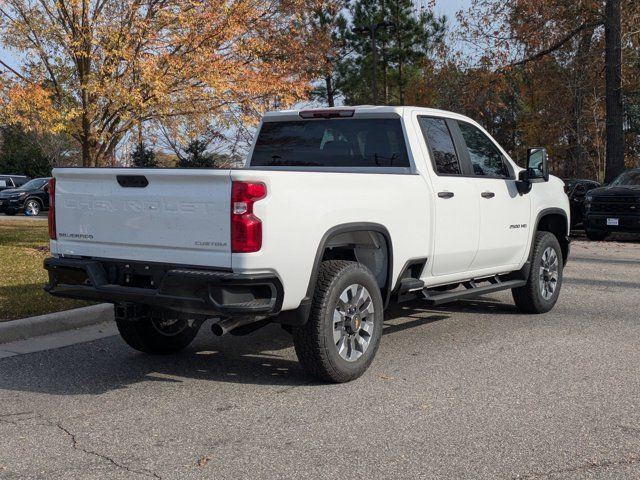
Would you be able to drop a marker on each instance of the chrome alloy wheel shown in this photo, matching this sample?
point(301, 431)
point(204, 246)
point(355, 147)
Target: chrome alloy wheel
point(549, 269)
point(32, 208)
point(353, 320)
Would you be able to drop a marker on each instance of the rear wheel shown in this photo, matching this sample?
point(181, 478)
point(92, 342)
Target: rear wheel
point(596, 236)
point(542, 290)
point(343, 333)
point(159, 336)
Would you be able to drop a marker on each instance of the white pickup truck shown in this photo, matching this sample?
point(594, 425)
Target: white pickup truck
point(337, 213)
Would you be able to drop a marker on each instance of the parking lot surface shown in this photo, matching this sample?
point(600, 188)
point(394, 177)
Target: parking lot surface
point(19, 217)
point(474, 390)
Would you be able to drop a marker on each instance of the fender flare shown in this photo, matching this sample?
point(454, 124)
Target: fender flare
point(543, 213)
point(300, 315)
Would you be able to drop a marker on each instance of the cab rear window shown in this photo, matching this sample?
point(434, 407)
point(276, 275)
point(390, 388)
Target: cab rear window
point(331, 143)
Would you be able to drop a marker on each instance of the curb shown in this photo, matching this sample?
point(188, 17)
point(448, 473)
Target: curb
point(22, 329)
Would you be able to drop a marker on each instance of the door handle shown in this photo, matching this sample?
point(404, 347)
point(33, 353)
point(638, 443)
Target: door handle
point(445, 194)
point(488, 194)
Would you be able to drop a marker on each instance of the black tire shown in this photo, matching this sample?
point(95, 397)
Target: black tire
point(596, 236)
point(529, 298)
point(314, 341)
point(10, 213)
point(146, 335)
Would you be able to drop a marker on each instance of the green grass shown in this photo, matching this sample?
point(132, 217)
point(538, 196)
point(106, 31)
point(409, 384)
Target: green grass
point(23, 247)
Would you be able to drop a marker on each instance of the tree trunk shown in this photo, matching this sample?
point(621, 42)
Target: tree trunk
point(615, 113)
point(328, 79)
point(400, 55)
point(385, 74)
point(575, 167)
point(85, 139)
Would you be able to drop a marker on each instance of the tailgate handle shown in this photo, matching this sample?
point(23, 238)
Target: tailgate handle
point(133, 181)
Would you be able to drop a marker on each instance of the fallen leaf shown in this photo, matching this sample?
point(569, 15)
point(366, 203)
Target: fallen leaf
point(387, 377)
point(203, 461)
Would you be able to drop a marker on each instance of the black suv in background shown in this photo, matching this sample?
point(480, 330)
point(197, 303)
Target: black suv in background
point(576, 190)
point(614, 208)
point(31, 198)
point(12, 181)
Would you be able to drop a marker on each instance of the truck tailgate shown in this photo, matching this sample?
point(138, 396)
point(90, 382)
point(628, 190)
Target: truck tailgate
point(155, 215)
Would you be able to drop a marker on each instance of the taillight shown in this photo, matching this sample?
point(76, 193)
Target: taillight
point(53, 234)
point(246, 228)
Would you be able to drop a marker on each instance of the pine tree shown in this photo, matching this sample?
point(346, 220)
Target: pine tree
point(20, 153)
point(330, 25)
point(409, 38)
point(143, 157)
point(196, 156)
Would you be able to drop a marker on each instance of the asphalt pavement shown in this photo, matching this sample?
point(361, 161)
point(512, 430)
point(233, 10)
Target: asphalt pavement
point(475, 390)
point(19, 217)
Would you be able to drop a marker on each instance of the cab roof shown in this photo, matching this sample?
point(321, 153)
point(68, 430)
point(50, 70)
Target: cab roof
point(359, 111)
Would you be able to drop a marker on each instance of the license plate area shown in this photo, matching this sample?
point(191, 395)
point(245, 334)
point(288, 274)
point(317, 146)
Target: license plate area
point(613, 222)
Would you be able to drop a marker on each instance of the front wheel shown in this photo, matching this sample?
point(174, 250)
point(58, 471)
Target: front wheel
point(158, 336)
point(32, 208)
point(542, 290)
point(343, 333)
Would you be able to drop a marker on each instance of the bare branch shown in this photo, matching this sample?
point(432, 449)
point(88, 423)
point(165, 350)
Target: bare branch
point(558, 45)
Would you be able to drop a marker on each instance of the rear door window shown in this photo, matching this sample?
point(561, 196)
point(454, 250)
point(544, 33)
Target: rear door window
point(331, 143)
point(443, 151)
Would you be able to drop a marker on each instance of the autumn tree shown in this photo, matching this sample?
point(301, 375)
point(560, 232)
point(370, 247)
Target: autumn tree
point(577, 40)
point(94, 69)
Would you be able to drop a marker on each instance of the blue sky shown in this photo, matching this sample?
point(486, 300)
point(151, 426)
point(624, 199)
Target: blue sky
point(451, 7)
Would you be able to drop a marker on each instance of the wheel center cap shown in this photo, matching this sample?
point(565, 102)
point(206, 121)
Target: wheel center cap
point(353, 323)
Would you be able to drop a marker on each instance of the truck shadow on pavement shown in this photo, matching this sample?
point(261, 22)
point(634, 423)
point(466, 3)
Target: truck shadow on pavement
point(266, 357)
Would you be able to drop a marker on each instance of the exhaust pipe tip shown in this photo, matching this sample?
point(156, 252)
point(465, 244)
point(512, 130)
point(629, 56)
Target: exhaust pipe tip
point(218, 330)
point(228, 325)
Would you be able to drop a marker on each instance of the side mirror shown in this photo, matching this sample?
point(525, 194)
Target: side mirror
point(537, 164)
point(537, 170)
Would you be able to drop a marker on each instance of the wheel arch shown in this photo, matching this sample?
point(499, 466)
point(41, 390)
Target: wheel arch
point(555, 221)
point(336, 240)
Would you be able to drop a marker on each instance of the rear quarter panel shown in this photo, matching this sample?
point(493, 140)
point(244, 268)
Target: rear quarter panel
point(301, 207)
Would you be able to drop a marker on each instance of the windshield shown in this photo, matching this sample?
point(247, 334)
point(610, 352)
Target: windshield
point(627, 179)
point(331, 143)
point(34, 184)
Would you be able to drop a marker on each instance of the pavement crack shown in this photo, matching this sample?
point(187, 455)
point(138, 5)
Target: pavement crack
point(16, 414)
point(77, 446)
point(631, 459)
point(14, 418)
